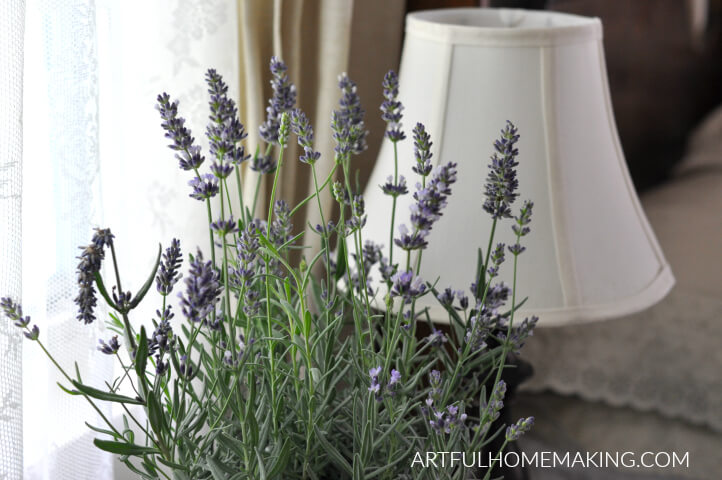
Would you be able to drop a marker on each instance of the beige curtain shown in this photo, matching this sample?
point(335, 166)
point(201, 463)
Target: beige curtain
point(318, 40)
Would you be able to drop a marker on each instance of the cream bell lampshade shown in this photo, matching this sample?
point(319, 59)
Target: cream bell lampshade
point(591, 253)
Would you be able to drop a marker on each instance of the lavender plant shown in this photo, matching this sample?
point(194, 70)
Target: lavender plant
point(273, 371)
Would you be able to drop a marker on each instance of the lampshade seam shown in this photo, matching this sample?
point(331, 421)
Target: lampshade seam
point(566, 273)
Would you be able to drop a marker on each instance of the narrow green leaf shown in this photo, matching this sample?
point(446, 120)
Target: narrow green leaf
point(120, 448)
point(155, 413)
point(280, 462)
point(102, 430)
point(141, 355)
point(216, 469)
point(102, 395)
point(358, 473)
point(103, 292)
point(146, 286)
point(261, 466)
point(173, 465)
point(332, 452)
point(67, 390)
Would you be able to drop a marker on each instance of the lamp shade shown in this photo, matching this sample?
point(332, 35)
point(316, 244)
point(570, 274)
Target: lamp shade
point(591, 253)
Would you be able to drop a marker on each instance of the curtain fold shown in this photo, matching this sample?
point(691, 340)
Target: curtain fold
point(12, 18)
point(318, 40)
point(61, 206)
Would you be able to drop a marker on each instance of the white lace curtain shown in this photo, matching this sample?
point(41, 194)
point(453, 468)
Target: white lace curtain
point(11, 63)
point(93, 153)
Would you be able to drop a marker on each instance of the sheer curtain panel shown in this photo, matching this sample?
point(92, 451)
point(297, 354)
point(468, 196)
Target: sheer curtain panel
point(12, 14)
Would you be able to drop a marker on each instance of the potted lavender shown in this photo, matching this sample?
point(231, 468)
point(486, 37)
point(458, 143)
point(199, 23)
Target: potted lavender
point(259, 367)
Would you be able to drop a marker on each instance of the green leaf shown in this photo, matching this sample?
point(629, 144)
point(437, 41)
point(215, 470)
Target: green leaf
point(67, 390)
point(155, 413)
point(146, 286)
point(232, 444)
point(141, 355)
point(120, 448)
point(104, 292)
point(340, 259)
point(261, 467)
point(279, 464)
point(307, 323)
point(216, 469)
point(102, 430)
point(358, 473)
point(102, 395)
point(173, 465)
point(332, 452)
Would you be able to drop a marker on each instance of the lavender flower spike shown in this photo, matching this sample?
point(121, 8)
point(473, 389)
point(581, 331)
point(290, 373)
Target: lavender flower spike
point(523, 425)
point(203, 289)
point(422, 151)
point(391, 108)
point(168, 271)
point(501, 182)
point(14, 312)
point(430, 201)
point(303, 129)
point(225, 131)
point(89, 265)
point(189, 155)
point(283, 99)
point(347, 122)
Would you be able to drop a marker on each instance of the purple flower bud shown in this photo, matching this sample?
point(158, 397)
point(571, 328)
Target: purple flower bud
point(394, 189)
point(523, 425)
point(224, 227)
point(204, 187)
point(110, 348)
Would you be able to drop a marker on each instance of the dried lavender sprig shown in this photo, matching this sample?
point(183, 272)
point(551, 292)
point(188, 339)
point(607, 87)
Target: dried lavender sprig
point(282, 100)
point(169, 268)
point(391, 108)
